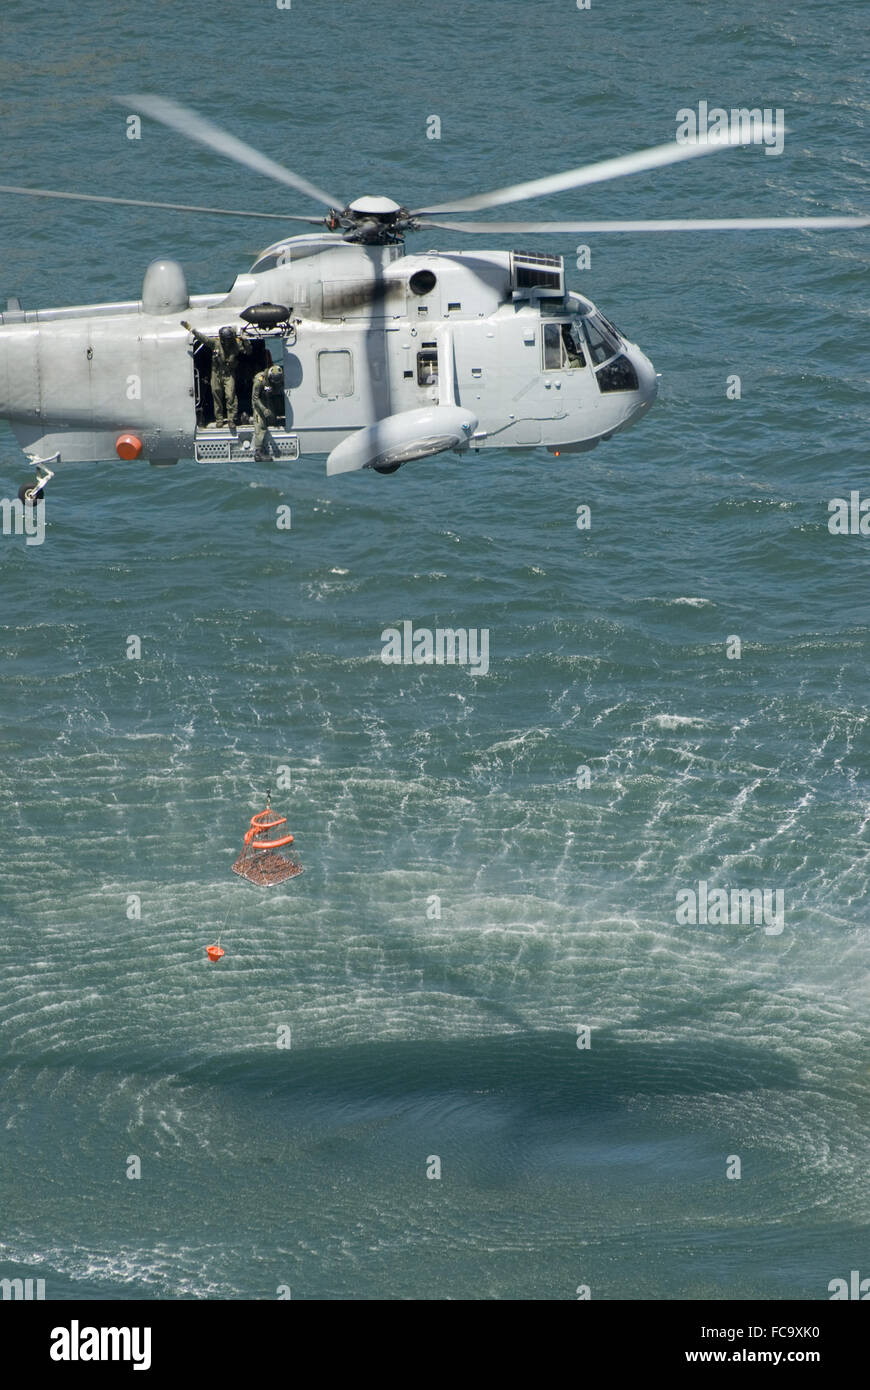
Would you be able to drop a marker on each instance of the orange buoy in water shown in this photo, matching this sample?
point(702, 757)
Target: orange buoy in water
point(214, 952)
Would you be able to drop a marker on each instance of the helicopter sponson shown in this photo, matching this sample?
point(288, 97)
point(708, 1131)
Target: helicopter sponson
point(367, 337)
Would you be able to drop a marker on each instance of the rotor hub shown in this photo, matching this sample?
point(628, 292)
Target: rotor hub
point(374, 207)
point(373, 221)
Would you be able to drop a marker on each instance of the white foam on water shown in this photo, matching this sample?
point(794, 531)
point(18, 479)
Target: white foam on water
point(677, 721)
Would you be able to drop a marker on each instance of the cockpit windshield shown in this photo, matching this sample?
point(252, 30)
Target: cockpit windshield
point(602, 338)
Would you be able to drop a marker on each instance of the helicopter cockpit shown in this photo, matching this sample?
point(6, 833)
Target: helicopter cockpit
point(588, 337)
point(613, 369)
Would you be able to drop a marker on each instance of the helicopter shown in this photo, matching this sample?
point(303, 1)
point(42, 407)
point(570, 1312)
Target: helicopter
point(387, 357)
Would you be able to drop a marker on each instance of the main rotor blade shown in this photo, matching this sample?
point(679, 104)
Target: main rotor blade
point(187, 122)
point(617, 168)
point(673, 224)
point(143, 203)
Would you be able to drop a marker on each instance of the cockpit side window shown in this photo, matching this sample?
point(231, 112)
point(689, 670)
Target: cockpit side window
point(571, 344)
point(552, 348)
point(562, 347)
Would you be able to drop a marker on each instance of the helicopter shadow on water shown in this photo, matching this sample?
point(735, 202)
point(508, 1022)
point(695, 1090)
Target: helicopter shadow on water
point(540, 1073)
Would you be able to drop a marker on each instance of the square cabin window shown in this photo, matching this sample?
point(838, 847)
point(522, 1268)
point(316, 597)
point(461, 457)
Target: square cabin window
point(335, 373)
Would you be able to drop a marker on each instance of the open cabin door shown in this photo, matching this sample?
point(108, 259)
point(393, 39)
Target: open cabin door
point(213, 444)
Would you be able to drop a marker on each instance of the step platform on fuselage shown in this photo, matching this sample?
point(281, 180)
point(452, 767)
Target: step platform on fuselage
point(221, 445)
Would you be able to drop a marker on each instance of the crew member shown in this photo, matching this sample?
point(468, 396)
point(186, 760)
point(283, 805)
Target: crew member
point(267, 400)
point(570, 337)
point(226, 348)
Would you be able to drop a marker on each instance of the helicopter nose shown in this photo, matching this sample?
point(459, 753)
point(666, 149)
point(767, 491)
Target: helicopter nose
point(647, 386)
point(648, 381)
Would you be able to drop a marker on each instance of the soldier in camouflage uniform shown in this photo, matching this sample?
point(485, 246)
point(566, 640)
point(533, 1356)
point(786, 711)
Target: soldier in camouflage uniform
point(267, 399)
point(226, 348)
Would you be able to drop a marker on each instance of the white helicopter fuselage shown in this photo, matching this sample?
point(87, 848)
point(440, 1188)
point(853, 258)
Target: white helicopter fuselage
point(387, 357)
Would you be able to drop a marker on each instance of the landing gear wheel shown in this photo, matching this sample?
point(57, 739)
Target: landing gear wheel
point(36, 489)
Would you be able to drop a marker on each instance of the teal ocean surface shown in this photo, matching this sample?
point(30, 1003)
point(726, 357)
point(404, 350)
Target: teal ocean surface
point(470, 900)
